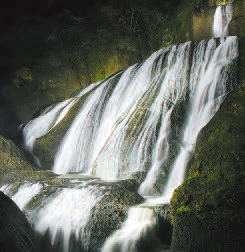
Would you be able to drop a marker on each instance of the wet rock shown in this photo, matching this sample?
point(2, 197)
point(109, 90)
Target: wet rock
point(131, 185)
point(14, 166)
point(164, 225)
point(15, 231)
point(109, 213)
point(139, 176)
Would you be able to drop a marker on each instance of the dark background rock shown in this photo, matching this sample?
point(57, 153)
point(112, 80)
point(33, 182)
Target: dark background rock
point(189, 234)
point(164, 225)
point(16, 234)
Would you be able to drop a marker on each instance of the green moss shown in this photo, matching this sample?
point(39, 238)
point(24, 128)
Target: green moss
point(223, 2)
point(183, 209)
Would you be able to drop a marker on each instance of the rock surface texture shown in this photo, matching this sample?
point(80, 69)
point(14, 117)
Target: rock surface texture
point(14, 166)
point(16, 234)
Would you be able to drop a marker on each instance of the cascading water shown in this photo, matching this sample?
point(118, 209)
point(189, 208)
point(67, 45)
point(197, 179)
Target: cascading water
point(222, 19)
point(48, 119)
point(207, 85)
point(107, 140)
point(124, 126)
point(208, 88)
point(103, 140)
point(141, 223)
point(67, 214)
point(128, 123)
point(63, 213)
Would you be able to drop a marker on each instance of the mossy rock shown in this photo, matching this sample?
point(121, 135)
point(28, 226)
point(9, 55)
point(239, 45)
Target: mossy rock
point(223, 2)
point(191, 234)
point(235, 27)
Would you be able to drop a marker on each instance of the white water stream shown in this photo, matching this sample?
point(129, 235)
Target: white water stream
point(48, 119)
point(222, 18)
point(141, 223)
point(209, 73)
point(64, 213)
point(67, 213)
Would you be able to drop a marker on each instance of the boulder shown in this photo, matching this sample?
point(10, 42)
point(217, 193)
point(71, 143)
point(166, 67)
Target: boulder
point(14, 166)
point(16, 234)
point(111, 212)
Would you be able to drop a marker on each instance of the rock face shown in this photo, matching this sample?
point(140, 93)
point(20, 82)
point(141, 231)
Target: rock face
point(208, 208)
point(14, 167)
point(164, 225)
point(111, 211)
point(16, 234)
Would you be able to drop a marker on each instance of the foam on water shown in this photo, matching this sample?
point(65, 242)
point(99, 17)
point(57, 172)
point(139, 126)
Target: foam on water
point(66, 213)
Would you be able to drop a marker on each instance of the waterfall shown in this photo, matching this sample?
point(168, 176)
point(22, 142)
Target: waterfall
point(141, 223)
point(207, 85)
point(48, 119)
point(63, 213)
point(222, 18)
point(208, 76)
point(143, 119)
point(116, 128)
point(125, 123)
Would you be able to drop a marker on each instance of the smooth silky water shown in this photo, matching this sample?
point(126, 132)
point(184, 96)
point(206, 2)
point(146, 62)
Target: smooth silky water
point(126, 125)
point(222, 18)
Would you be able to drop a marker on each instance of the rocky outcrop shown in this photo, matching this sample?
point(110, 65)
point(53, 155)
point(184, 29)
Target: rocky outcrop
point(16, 234)
point(164, 225)
point(111, 211)
point(208, 208)
point(14, 166)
